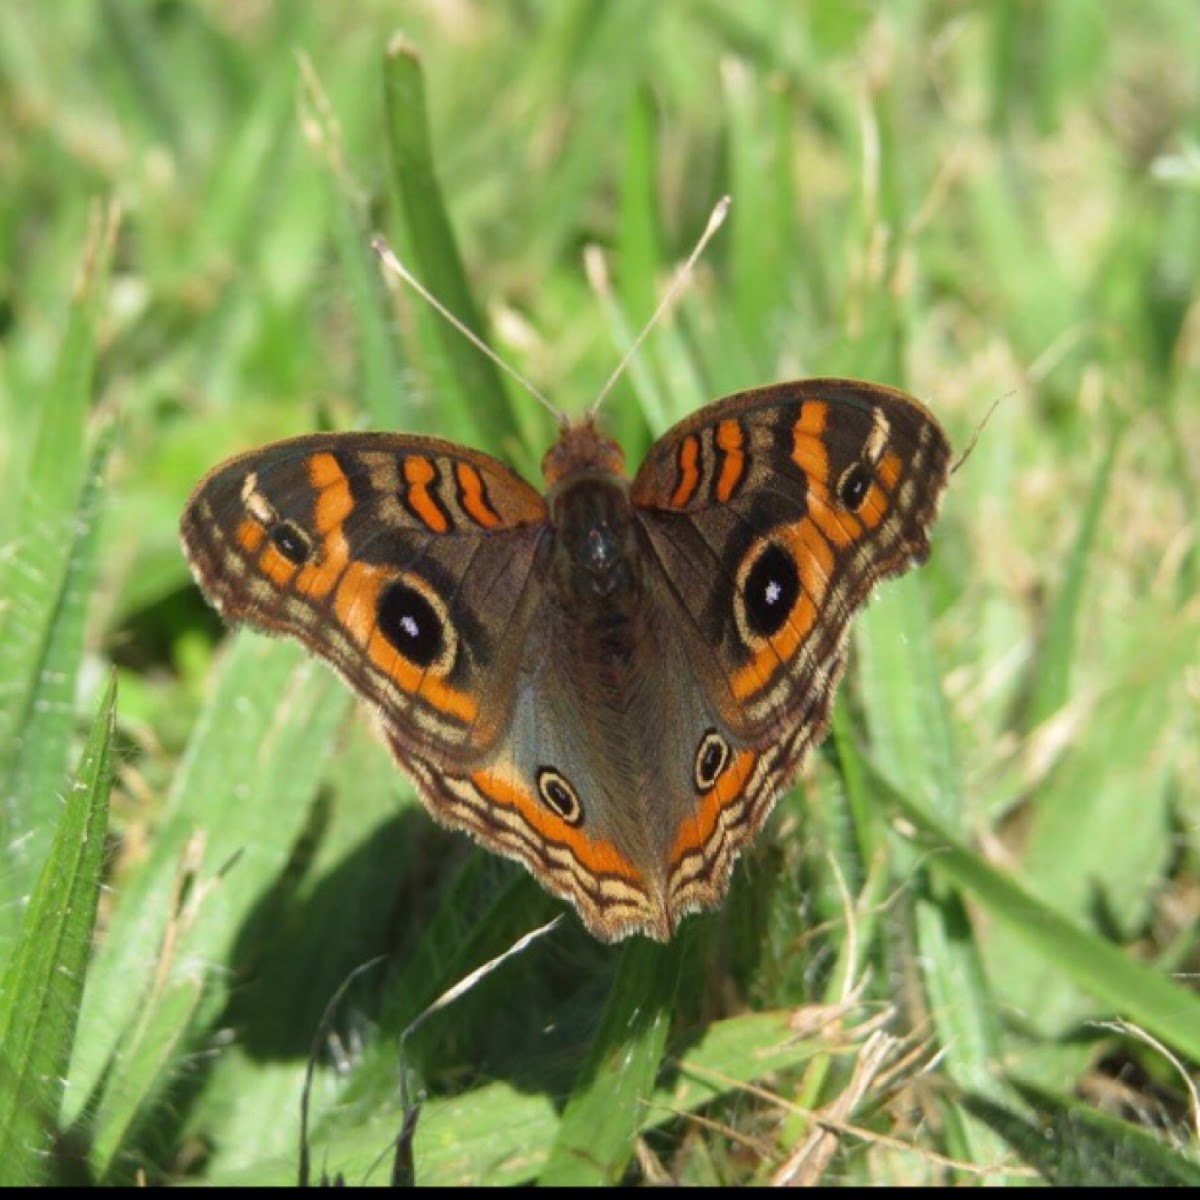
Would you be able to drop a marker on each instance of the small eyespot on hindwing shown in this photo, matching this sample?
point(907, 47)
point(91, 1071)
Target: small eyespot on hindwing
point(559, 796)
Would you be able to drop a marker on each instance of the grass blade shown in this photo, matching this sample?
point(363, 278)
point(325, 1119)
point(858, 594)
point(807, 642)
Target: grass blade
point(46, 584)
point(914, 747)
point(239, 803)
point(1073, 1145)
point(1127, 988)
point(42, 985)
point(379, 346)
point(1052, 684)
point(131, 34)
point(595, 1139)
point(1121, 785)
point(481, 392)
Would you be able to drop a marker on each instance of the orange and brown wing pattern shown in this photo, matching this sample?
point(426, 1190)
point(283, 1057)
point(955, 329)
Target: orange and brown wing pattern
point(772, 514)
point(613, 895)
point(381, 553)
point(499, 808)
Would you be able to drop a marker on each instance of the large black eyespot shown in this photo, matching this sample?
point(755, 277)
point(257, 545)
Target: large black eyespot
point(853, 486)
point(711, 760)
point(559, 796)
point(291, 542)
point(770, 591)
point(411, 622)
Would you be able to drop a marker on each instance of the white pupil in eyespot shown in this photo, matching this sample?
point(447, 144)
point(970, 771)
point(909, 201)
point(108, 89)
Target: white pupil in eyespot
point(773, 592)
point(409, 625)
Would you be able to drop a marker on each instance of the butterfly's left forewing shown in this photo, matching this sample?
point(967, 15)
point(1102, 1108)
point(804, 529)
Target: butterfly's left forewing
point(404, 562)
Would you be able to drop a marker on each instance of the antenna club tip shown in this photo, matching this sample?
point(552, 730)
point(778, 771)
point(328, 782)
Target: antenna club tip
point(720, 212)
point(379, 245)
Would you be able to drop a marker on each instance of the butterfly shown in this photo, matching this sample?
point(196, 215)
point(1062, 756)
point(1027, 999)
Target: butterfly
point(610, 680)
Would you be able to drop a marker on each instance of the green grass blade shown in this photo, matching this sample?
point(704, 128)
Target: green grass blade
point(335, 911)
point(380, 353)
point(46, 586)
point(761, 176)
point(135, 50)
point(603, 52)
point(1121, 784)
point(639, 236)
point(638, 261)
point(42, 984)
point(911, 737)
point(595, 1140)
point(1052, 685)
point(481, 393)
point(150, 1056)
point(653, 412)
point(238, 804)
point(41, 738)
point(1074, 1145)
point(864, 812)
point(1125, 987)
point(913, 745)
point(247, 172)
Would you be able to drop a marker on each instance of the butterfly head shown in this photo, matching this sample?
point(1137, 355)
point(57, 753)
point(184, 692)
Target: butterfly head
point(581, 450)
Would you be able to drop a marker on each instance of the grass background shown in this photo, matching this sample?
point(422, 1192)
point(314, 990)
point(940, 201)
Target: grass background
point(991, 863)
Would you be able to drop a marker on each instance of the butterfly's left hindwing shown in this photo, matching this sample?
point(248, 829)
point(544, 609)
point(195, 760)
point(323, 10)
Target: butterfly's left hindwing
point(404, 562)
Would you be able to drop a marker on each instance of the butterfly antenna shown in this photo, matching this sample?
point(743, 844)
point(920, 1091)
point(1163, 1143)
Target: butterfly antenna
point(388, 258)
point(715, 220)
